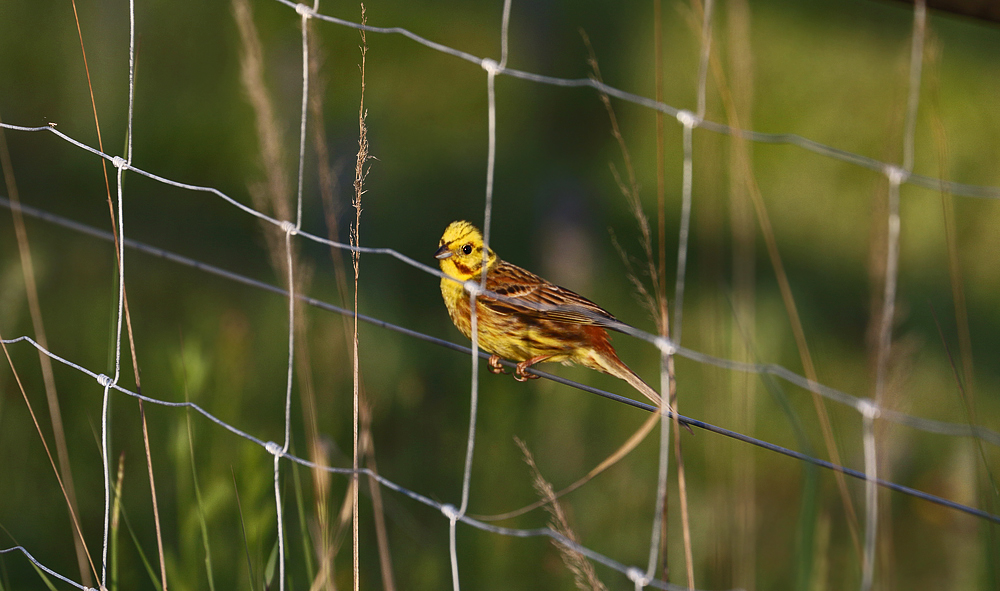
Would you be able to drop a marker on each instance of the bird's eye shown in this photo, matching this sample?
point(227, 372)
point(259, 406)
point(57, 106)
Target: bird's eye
point(467, 249)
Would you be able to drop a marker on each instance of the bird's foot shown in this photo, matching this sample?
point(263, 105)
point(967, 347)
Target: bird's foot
point(495, 366)
point(519, 372)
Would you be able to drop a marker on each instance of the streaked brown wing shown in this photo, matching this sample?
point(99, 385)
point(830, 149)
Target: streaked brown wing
point(524, 286)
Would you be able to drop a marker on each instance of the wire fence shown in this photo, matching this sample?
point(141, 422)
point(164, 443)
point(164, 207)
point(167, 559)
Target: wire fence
point(931, 426)
point(869, 409)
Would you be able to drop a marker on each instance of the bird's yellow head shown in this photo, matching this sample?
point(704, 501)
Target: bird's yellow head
point(461, 251)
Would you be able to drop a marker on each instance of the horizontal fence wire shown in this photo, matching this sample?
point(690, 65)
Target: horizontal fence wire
point(919, 423)
point(895, 174)
point(271, 447)
point(41, 566)
point(937, 426)
point(792, 139)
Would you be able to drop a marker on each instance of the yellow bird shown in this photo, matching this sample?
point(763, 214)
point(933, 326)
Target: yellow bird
point(514, 328)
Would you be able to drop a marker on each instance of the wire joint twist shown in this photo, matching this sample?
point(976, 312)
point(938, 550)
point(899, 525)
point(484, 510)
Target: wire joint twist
point(688, 119)
point(449, 511)
point(274, 449)
point(491, 66)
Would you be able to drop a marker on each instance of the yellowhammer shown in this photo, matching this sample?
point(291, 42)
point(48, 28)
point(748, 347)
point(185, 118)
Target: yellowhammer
point(575, 332)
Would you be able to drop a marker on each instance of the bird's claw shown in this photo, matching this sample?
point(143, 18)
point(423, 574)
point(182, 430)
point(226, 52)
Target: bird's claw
point(521, 375)
point(520, 371)
point(495, 366)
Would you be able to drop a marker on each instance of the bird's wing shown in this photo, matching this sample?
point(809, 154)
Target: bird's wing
point(528, 294)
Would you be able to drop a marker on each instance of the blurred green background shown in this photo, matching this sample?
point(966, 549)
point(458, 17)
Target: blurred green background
point(832, 71)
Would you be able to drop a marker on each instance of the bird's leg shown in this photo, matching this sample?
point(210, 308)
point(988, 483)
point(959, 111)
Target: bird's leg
point(519, 373)
point(495, 366)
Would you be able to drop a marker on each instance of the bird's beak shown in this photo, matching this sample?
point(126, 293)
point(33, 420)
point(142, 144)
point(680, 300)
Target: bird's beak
point(442, 252)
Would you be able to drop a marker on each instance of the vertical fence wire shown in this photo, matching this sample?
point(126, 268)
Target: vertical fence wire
point(474, 288)
point(120, 164)
point(869, 413)
point(688, 121)
point(305, 12)
point(896, 176)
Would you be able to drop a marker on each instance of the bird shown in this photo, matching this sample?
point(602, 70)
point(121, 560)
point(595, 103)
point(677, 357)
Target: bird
point(533, 321)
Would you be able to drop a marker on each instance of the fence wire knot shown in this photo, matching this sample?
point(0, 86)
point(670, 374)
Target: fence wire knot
point(472, 287)
point(274, 449)
point(104, 381)
point(869, 409)
point(119, 162)
point(637, 576)
point(665, 345)
point(490, 65)
point(897, 174)
point(450, 512)
point(305, 10)
point(288, 227)
point(688, 119)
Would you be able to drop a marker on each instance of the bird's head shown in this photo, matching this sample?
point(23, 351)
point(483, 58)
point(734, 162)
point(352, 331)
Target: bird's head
point(460, 251)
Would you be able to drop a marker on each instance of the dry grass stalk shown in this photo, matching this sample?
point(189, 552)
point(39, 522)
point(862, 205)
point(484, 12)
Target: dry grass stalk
point(51, 395)
point(742, 386)
point(661, 174)
point(152, 482)
point(322, 534)
point(891, 358)
point(38, 324)
point(891, 449)
point(48, 452)
point(345, 513)
point(274, 195)
point(630, 190)
point(760, 209)
point(48, 378)
point(128, 315)
point(884, 353)
point(681, 485)
point(375, 489)
point(116, 510)
point(625, 448)
point(933, 57)
point(328, 186)
point(583, 571)
point(268, 134)
point(329, 542)
point(966, 383)
point(656, 303)
point(360, 172)
point(661, 232)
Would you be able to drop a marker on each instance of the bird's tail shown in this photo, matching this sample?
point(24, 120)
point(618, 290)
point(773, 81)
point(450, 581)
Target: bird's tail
point(622, 371)
point(608, 362)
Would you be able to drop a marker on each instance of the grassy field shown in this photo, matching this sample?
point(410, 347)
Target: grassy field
point(217, 105)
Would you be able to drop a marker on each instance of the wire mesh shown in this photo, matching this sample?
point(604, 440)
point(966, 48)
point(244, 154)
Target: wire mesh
point(869, 409)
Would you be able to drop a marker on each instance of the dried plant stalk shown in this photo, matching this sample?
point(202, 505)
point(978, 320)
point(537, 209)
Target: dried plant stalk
point(582, 569)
